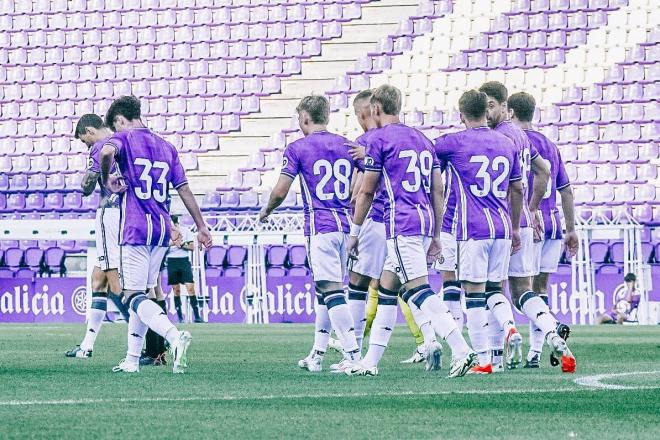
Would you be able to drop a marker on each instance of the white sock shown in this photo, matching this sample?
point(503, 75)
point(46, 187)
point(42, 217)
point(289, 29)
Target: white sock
point(452, 298)
point(357, 303)
point(441, 319)
point(500, 308)
point(342, 323)
point(381, 330)
point(94, 321)
point(477, 324)
point(495, 337)
point(136, 331)
point(423, 323)
point(322, 328)
point(538, 312)
point(536, 339)
point(156, 319)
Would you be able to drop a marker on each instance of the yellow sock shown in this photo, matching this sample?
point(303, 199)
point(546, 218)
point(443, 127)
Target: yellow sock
point(412, 325)
point(372, 306)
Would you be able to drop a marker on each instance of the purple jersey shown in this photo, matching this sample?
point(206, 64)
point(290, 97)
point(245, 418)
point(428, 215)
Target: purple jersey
point(94, 166)
point(526, 153)
point(376, 211)
point(558, 180)
point(148, 164)
point(325, 169)
point(480, 164)
point(405, 158)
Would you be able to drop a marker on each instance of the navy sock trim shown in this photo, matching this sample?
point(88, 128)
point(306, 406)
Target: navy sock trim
point(412, 292)
point(135, 300)
point(526, 297)
point(419, 299)
point(334, 298)
point(456, 284)
point(475, 300)
point(387, 297)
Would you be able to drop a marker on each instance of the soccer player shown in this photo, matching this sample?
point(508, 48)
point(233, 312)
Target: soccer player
point(547, 252)
point(404, 159)
point(148, 165)
point(179, 270)
point(484, 168)
point(365, 270)
point(322, 162)
point(91, 130)
point(521, 265)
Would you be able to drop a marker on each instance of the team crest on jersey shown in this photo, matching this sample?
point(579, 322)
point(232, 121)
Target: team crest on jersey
point(285, 162)
point(90, 162)
point(368, 161)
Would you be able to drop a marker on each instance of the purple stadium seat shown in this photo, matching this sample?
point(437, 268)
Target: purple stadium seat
point(213, 272)
point(610, 269)
point(34, 202)
point(276, 255)
point(18, 182)
point(298, 271)
point(6, 273)
point(25, 273)
point(16, 202)
point(72, 201)
point(3, 202)
point(233, 272)
point(33, 257)
point(297, 255)
point(4, 182)
point(236, 256)
point(599, 251)
point(13, 257)
point(276, 272)
point(211, 201)
point(216, 256)
point(53, 201)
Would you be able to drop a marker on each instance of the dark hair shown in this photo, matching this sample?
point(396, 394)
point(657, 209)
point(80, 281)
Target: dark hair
point(389, 97)
point(317, 107)
point(473, 104)
point(523, 105)
point(88, 120)
point(364, 94)
point(126, 106)
point(630, 277)
point(496, 90)
point(175, 219)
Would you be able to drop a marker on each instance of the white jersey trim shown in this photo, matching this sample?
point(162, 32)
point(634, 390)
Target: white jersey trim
point(390, 195)
point(505, 223)
point(150, 229)
point(489, 220)
point(422, 221)
point(161, 239)
point(463, 199)
point(308, 197)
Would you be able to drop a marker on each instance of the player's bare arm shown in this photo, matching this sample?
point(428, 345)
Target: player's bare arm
point(356, 182)
point(438, 200)
point(568, 207)
point(541, 173)
point(188, 199)
point(89, 182)
point(277, 196)
point(365, 198)
point(516, 195)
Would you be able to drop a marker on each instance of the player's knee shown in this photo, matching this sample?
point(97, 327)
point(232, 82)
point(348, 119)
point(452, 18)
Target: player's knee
point(358, 280)
point(387, 297)
point(475, 300)
point(356, 293)
point(133, 300)
point(334, 298)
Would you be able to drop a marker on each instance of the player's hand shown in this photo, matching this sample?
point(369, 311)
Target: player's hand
point(204, 238)
point(435, 250)
point(352, 248)
point(536, 226)
point(516, 243)
point(176, 237)
point(572, 243)
point(116, 184)
point(357, 152)
point(263, 215)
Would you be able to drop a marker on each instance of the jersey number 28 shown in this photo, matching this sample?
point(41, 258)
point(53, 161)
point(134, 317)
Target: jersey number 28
point(341, 170)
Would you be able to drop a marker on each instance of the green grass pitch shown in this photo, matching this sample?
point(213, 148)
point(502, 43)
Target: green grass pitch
point(243, 382)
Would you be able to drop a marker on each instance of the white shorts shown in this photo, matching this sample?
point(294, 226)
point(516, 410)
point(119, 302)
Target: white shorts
point(406, 257)
point(107, 238)
point(522, 262)
point(483, 260)
point(546, 255)
point(327, 255)
point(447, 262)
point(372, 250)
point(140, 266)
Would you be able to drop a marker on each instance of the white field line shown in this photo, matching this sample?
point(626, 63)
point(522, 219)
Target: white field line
point(291, 396)
point(595, 381)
